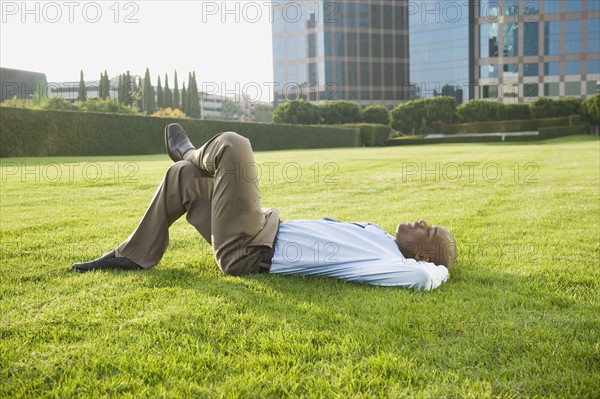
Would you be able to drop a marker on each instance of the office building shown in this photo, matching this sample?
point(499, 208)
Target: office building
point(351, 50)
point(525, 49)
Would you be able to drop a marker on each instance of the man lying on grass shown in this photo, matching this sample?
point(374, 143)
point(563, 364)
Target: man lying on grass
point(216, 187)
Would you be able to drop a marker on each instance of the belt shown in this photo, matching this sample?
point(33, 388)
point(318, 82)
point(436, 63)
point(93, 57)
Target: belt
point(266, 256)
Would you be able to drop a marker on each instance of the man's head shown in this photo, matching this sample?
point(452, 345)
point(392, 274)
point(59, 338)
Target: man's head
point(420, 241)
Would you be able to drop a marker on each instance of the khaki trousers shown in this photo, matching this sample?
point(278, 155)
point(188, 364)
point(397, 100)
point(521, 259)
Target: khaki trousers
point(216, 186)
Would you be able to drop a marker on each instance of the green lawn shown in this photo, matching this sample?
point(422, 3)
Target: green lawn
point(518, 319)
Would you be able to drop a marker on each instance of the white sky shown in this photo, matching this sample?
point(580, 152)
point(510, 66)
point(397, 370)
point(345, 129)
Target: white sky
point(227, 43)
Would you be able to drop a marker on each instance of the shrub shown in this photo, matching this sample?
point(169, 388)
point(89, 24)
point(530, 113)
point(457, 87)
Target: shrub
point(297, 112)
point(416, 117)
point(57, 104)
point(170, 113)
point(107, 105)
point(518, 111)
point(479, 111)
point(549, 108)
point(338, 112)
point(590, 110)
point(375, 114)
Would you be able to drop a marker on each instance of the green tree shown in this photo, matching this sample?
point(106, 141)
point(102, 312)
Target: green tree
point(176, 101)
point(590, 112)
point(193, 98)
point(128, 92)
point(416, 117)
point(262, 113)
point(82, 94)
point(297, 112)
point(184, 100)
point(148, 94)
point(230, 110)
point(375, 114)
point(104, 87)
point(160, 97)
point(120, 91)
point(339, 112)
point(168, 94)
point(139, 96)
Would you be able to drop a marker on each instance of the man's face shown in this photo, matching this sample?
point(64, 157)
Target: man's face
point(419, 240)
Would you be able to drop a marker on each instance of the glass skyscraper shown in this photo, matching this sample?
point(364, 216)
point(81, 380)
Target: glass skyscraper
point(525, 49)
point(352, 50)
point(440, 48)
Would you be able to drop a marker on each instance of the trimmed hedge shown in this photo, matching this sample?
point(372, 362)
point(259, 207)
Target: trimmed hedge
point(504, 126)
point(371, 134)
point(27, 133)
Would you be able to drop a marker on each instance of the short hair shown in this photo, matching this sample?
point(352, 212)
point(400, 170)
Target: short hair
point(444, 251)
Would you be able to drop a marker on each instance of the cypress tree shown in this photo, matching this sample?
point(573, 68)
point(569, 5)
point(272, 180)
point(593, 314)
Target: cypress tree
point(106, 85)
point(168, 94)
point(140, 94)
point(184, 107)
point(101, 86)
point(120, 89)
point(193, 98)
point(149, 100)
point(82, 94)
point(127, 89)
point(176, 103)
point(160, 101)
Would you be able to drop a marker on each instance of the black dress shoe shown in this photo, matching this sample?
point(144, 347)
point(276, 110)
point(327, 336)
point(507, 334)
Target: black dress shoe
point(177, 142)
point(107, 262)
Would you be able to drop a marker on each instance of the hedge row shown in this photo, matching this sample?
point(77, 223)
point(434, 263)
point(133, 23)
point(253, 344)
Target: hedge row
point(372, 135)
point(501, 126)
point(26, 133)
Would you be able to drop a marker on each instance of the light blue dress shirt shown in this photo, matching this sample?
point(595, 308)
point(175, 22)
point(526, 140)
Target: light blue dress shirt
point(358, 252)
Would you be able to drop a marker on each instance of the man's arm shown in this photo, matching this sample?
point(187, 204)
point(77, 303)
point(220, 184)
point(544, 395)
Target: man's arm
point(407, 273)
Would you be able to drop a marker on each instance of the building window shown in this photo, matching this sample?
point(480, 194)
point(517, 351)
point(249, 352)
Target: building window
point(489, 9)
point(531, 90)
point(552, 38)
point(364, 45)
point(363, 15)
point(377, 74)
point(511, 70)
point(531, 69)
point(352, 73)
point(531, 38)
point(488, 71)
point(573, 68)
point(511, 39)
point(574, 5)
point(551, 68)
point(593, 5)
point(511, 9)
point(531, 8)
point(593, 66)
point(376, 44)
point(312, 45)
point(375, 16)
point(489, 91)
point(388, 17)
point(592, 87)
point(573, 36)
point(552, 6)
point(350, 14)
point(484, 38)
point(573, 88)
point(339, 44)
point(388, 46)
point(551, 89)
point(365, 74)
point(352, 43)
point(493, 40)
point(593, 35)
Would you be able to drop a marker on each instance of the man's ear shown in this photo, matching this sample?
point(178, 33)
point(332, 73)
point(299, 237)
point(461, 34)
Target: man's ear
point(420, 257)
